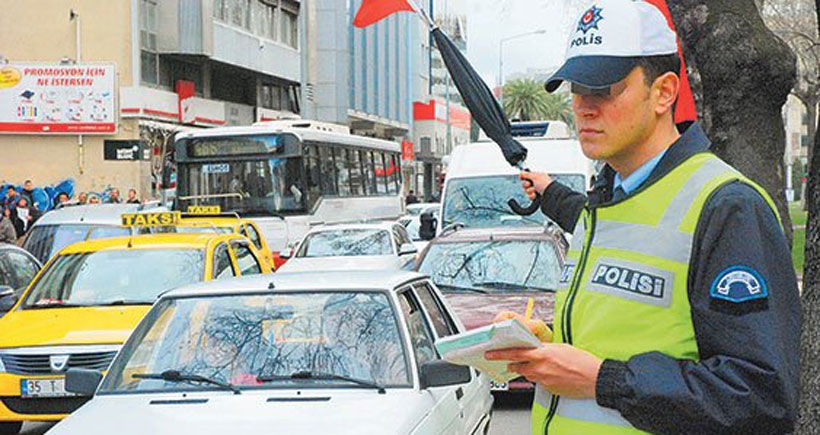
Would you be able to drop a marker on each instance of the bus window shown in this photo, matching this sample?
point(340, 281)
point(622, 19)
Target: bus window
point(369, 172)
point(328, 171)
point(313, 172)
point(381, 173)
point(356, 182)
point(342, 171)
point(393, 174)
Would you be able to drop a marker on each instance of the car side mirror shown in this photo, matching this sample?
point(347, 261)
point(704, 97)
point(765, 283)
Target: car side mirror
point(408, 248)
point(82, 381)
point(427, 226)
point(441, 373)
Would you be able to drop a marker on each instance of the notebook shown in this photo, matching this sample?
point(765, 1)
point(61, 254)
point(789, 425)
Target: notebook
point(468, 348)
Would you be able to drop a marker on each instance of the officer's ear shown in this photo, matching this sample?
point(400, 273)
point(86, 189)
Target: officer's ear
point(664, 92)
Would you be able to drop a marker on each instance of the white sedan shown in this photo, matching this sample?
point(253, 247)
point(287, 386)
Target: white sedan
point(292, 353)
point(365, 246)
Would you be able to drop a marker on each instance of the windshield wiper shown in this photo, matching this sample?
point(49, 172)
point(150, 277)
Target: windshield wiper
point(462, 288)
point(53, 304)
point(124, 302)
point(498, 285)
point(176, 376)
point(305, 374)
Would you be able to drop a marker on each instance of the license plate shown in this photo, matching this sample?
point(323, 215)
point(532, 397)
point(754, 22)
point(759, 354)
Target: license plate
point(495, 386)
point(43, 388)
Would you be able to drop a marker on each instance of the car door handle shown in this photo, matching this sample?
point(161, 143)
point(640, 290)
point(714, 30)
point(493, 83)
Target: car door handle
point(459, 393)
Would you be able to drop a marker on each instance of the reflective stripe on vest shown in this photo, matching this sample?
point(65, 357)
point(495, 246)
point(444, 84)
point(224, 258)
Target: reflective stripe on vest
point(630, 284)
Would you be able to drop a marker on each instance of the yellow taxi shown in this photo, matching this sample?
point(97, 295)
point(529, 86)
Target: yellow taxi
point(210, 217)
point(82, 306)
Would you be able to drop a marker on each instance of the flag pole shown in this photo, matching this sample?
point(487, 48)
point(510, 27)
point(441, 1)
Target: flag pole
point(423, 14)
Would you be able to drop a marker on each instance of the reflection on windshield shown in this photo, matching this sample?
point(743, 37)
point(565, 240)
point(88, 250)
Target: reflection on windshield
point(240, 339)
point(250, 186)
point(122, 276)
point(502, 266)
point(337, 243)
point(481, 202)
point(45, 241)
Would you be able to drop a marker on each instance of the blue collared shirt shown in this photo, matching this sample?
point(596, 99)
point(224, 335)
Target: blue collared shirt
point(634, 180)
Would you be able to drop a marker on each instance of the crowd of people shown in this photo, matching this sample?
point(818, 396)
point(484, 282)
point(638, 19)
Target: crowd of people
point(19, 211)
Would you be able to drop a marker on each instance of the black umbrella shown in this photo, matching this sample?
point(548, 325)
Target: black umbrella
point(485, 110)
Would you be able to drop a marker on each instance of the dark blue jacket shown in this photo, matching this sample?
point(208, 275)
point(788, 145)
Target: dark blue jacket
point(747, 379)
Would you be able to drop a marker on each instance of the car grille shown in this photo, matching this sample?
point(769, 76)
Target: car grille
point(39, 364)
point(42, 406)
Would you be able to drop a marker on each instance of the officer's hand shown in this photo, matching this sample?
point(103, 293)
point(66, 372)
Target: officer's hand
point(534, 182)
point(537, 327)
point(560, 368)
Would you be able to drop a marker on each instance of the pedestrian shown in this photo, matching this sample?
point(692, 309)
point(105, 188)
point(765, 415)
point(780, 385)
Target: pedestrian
point(7, 231)
point(23, 216)
point(678, 310)
point(82, 198)
point(63, 198)
point(132, 197)
point(11, 199)
point(114, 196)
point(94, 199)
point(28, 192)
point(411, 198)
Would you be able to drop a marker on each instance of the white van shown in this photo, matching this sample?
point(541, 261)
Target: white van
point(479, 180)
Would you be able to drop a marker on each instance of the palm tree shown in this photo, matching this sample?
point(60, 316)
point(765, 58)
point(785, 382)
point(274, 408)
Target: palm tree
point(526, 100)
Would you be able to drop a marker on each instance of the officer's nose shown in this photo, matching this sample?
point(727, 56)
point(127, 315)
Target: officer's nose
point(585, 105)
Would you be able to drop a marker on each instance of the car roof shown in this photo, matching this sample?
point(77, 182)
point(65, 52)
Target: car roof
point(385, 225)
point(300, 281)
point(94, 214)
point(471, 234)
point(423, 205)
point(148, 241)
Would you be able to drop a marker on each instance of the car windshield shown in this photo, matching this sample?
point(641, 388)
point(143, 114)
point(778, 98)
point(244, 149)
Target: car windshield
point(132, 276)
point(351, 242)
point(413, 224)
point(44, 241)
point(500, 266)
point(265, 341)
point(481, 202)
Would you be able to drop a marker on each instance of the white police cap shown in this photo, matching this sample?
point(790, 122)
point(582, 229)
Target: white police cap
point(608, 39)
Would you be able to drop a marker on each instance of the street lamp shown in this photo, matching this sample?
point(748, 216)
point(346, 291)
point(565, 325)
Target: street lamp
point(501, 57)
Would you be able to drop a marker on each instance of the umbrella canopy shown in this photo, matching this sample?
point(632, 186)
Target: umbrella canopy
point(484, 108)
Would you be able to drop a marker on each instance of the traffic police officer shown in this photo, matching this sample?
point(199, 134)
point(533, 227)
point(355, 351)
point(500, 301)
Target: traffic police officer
point(679, 311)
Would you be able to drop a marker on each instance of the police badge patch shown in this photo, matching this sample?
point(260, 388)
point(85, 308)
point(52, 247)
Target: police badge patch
point(739, 284)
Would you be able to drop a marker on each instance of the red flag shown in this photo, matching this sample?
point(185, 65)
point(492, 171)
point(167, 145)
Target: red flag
point(685, 108)
point(373, 11)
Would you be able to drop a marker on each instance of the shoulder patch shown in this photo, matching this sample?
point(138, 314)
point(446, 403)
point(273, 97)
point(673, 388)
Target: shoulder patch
point(739, 284)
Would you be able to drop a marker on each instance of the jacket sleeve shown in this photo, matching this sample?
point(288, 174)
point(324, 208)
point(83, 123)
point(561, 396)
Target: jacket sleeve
point(748, 376)
point(563, 205)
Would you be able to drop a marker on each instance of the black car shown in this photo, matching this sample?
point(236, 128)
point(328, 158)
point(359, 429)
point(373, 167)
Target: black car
point(17, 269)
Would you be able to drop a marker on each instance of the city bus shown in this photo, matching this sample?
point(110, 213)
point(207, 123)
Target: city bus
point(288, 176)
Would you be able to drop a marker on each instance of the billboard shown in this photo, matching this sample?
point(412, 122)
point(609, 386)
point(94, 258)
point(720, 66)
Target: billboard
point(60, 99)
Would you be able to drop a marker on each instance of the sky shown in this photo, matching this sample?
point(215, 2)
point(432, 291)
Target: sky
point(488, 21)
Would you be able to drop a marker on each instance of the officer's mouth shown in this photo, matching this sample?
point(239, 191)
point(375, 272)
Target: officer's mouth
point(590, 132)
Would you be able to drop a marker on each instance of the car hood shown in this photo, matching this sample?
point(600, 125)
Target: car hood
point(339, 412)
point(362, 262)
point(476, 310)
point(66, 326)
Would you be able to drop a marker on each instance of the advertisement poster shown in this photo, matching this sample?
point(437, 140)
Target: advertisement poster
point(62, 99)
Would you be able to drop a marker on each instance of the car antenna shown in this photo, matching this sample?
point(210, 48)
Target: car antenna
point(271, 286)
point(130, 244)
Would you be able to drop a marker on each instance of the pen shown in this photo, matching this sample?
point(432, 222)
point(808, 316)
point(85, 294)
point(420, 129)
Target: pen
point(528, 313)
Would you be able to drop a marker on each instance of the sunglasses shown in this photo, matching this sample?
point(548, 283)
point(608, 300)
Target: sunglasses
point(612, 90)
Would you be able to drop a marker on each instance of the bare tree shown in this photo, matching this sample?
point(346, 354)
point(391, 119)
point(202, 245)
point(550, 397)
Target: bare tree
point(809, 422)
point(745, 76)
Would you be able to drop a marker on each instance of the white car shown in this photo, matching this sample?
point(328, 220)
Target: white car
point(412, 222)
point(420, 207)
point(288, 353)
point(365, 246)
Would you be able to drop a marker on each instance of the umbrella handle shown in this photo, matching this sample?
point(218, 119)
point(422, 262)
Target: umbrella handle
point(525, 211)
point(530, 209)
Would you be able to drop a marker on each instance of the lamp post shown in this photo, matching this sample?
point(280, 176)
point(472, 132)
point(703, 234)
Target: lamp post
point(501, 58)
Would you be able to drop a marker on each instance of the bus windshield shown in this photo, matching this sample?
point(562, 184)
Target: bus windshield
point(250, 186)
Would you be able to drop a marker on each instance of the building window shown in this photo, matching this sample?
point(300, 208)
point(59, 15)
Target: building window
point(149, 57)
point(263, 15)
point(239, 13)
point(221, 10)
point(290, 27)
